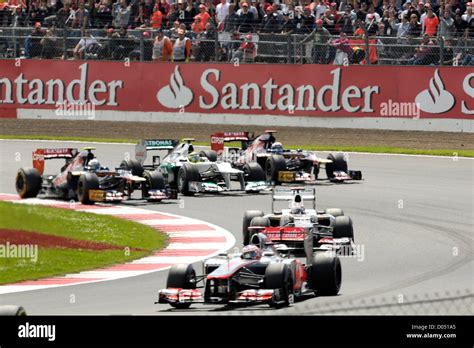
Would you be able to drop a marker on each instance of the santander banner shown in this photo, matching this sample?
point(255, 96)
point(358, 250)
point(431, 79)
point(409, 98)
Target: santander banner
point(300, 90)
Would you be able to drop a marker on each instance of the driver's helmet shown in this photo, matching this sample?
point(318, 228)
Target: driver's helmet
point(94, 164)
point(194, 157)
point(251, 252)
point(296, 206)
point(277, 148)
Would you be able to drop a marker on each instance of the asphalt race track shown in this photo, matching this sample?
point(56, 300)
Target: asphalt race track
point(413, 217)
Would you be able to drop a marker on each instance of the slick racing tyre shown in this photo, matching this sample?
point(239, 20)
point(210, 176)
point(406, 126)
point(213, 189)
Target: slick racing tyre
point(325, 274)
point(154, 181)
point(248, 216)
point(186, 174)
point(11, 310)
point(273, 165)
point(181, 277)
point(132, 165)
point(86, 183)
point(278, 276)
point(343, 228)
point(254, 172)
point(28, 182)
point(211, 155)
point(338, 164)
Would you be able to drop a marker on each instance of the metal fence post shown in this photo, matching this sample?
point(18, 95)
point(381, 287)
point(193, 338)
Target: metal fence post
point(288, 49)
point(65, 42)
point(367, 47)
point(142, 49)
point(15, 44)
point(216, 47)
point(441, 50)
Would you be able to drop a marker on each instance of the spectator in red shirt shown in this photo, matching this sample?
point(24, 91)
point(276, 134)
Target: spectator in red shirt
point(203, 15)
point(198, 27)
point(431, 22)
point(249, 49)
point(156, 18)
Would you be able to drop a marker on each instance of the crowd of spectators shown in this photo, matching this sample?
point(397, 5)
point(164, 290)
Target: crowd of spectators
point(183, 29)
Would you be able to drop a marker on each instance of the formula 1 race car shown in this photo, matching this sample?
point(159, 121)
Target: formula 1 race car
point(83, 177)
point(281, 165)
point(332, 230)
point(260, 274)
point(193, 172)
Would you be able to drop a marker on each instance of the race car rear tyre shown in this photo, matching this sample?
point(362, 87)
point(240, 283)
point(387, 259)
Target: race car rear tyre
point(325, 274)
point(334, 212)
point(154, 181)
point(12, 310)
point(278, 276)
point(273, 165)
point(343, 228)
point(132, 165)
point(338, 164)
point(86, 183)
point(211, 155)
point(254, 172)
point(186, 174)
point(248, 216)
point(181, 276)
point(28, 182)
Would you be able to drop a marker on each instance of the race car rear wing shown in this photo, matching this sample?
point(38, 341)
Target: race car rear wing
point(145, 145)
point(219, 139)
point(40, 155)
point(288, 194)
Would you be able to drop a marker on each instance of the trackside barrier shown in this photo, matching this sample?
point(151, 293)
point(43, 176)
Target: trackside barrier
point(310, 95)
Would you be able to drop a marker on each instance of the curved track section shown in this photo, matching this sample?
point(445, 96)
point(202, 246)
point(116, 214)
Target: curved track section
point(413, 220)
point(190, 241)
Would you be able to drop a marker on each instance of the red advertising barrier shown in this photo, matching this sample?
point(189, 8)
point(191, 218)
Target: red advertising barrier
point(300, 90)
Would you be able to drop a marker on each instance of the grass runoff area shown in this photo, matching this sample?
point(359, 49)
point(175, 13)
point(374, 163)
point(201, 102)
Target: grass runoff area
point(127, 240)
point(368, 149)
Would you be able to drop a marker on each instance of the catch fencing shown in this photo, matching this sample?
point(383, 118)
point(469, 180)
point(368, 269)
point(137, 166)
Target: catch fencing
point(236, 49)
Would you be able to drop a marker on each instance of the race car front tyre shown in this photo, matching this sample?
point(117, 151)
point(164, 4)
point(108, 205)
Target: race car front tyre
point(211, 155)
point(181, 276)
point(186, 174)
point(28, 182)
point(248, 216)
point(343, 228)
point(154, 181)
point(334, 212)
point(278, 277)
point(273, 165)
point(86, 183)
point(12, 310)
point(325, 274)
point(339, 163)
point(254, 172)
point(132, 165)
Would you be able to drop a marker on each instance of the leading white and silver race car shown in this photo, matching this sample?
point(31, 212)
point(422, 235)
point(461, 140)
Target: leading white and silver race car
point(332, 230)
point(192, 171)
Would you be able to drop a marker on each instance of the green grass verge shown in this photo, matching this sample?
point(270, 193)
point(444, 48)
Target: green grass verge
point(76, 225)
point(368, 149)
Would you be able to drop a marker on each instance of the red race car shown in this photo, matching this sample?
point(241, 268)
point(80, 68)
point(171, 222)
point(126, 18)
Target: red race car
point(281, 165)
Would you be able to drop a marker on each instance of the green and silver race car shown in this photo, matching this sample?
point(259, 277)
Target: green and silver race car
point(191, 171)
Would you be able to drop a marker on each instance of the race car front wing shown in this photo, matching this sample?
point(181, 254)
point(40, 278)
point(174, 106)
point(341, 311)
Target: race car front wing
point(249, 296)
